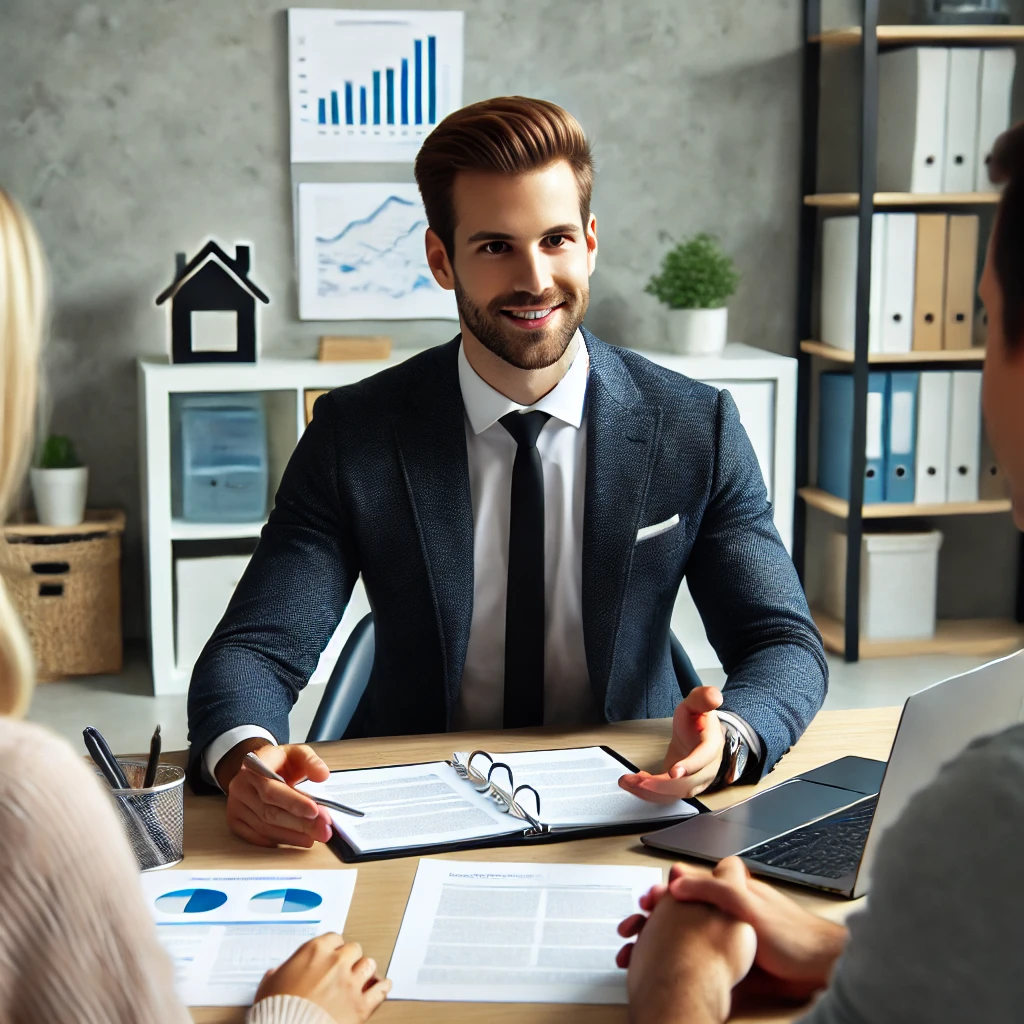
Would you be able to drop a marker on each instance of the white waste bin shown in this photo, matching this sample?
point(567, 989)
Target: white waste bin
point(899, 575)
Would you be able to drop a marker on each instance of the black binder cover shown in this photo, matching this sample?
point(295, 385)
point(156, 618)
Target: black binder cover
point(343, 851)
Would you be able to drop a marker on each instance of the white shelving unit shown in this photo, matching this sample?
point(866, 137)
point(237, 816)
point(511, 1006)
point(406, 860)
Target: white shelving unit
point(763, 384)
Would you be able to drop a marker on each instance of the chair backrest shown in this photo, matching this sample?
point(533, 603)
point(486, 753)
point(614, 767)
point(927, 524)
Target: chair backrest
point(346, 686)
point(352, 670)
point(685, 672)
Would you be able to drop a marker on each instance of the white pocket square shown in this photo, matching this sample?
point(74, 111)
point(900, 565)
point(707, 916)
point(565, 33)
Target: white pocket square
point(647, 532)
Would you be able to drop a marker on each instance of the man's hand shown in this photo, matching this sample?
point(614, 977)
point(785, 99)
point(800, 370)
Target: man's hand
point(685, 963)
point(694, 755)
point(268, 813)
point(794, 946)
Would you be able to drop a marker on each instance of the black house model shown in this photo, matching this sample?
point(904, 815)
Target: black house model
point(213, 307)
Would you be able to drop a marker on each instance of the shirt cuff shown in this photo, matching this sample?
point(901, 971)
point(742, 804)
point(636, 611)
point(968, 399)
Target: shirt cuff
point(287, 1010)
point(213, 754)
point(751, 738)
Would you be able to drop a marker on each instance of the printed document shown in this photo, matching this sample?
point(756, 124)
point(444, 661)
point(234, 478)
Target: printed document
point(515, 933)
point(224, 930)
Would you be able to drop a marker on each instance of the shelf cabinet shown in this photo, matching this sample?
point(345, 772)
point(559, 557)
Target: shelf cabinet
point(869, 39)
point(762, 384)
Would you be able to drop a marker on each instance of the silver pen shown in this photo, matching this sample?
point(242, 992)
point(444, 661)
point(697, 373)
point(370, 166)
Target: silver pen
point(254, 764)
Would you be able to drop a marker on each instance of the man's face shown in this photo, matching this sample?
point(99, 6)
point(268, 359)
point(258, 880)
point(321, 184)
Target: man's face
point(1003, 391)
point(522, 262)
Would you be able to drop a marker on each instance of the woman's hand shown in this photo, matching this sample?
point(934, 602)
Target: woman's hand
point(332, 973)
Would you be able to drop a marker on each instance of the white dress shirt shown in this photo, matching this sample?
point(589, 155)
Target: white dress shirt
point(491, 451)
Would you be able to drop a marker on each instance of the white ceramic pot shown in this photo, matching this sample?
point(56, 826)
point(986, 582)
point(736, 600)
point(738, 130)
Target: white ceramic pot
point(60, 495)
point(697, 332)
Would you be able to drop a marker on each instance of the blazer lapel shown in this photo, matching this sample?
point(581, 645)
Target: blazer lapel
point(431, 440)
point(622, 437)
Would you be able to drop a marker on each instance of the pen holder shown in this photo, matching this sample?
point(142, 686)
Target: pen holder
point(154, 818)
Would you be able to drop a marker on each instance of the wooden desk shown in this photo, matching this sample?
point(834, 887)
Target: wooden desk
point(384, 886)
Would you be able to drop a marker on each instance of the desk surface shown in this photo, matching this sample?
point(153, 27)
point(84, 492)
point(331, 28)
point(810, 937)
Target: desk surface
point(383, 886)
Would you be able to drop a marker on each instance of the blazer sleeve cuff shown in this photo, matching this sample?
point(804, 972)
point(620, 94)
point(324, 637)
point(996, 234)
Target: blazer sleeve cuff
point(224, 742)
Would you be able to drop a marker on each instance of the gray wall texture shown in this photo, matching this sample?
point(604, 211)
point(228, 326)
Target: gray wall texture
point(134, 128)
point(131, 129)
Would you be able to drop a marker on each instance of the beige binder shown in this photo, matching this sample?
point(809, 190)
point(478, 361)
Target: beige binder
point(961, 271)
point(930, 281)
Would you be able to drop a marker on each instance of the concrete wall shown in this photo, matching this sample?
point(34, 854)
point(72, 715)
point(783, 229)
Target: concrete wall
point(133, 128)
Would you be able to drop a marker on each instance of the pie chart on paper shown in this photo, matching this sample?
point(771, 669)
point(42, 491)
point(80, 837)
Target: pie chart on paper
point(190, 901)
point(284, 901)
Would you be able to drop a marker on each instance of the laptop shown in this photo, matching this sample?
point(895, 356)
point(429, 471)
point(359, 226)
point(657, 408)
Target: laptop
point(821, 829)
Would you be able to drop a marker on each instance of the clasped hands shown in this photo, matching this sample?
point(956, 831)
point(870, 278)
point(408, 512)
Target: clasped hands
point(703, 933)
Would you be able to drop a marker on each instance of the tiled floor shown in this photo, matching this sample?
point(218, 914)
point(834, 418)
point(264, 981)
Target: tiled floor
point(122, 708)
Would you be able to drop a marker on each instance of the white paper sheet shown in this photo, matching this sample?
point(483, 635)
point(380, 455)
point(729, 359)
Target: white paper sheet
point(370, 85)
point(362, 257)
point(224, 930)
point(515, 933)
point(579, 787)
point(411, 805)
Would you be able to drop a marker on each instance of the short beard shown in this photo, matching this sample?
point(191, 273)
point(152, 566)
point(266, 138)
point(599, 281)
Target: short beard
point(533, 350)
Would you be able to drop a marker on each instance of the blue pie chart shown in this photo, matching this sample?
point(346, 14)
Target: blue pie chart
point(190, 901)
point(284, 901)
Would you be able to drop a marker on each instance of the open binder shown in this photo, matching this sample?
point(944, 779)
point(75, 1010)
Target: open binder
point(477, 799)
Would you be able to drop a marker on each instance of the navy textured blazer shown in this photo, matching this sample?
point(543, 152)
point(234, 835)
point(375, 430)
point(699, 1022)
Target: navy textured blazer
point(379, 485)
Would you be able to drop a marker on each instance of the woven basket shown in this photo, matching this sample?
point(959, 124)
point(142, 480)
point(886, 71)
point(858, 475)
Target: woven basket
point(66, 584)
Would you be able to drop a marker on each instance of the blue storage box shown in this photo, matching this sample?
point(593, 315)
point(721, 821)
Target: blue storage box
point(221, 463)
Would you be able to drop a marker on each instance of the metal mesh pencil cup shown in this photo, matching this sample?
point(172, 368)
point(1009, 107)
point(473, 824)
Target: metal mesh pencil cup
point(154, 818)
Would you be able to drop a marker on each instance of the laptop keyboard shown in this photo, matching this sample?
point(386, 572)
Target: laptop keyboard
point(829, 848)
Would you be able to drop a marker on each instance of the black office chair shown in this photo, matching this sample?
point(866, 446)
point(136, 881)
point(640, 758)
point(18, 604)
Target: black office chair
point(346, 686)
point(352, 670)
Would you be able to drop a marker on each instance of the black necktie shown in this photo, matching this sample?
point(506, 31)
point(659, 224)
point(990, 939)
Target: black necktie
point(524, 613)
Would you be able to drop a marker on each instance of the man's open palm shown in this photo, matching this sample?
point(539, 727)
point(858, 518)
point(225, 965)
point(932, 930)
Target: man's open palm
point(694, 754)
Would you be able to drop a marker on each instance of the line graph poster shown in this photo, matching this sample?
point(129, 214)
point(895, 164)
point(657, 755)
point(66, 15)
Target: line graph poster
point(362, 257)
point(370, 85)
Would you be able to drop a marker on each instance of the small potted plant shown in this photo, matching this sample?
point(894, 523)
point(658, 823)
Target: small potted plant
point(696, 281)
point(59, 483)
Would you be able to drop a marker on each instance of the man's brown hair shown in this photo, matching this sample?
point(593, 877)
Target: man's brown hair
point(1007, 167)
point(505, 135)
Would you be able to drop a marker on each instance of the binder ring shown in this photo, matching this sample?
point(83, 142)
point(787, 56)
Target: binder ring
point(496, 794)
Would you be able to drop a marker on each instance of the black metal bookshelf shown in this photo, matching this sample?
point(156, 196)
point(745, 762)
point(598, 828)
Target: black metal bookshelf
point(869, 38)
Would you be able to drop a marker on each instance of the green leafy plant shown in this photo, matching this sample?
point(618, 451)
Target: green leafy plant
point(696, 274)
point(59, 453)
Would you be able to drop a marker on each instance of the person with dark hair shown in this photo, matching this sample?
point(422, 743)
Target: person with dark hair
point(522, 503)
point(941, 937)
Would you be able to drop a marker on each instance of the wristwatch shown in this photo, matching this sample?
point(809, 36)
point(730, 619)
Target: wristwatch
point(735, 756)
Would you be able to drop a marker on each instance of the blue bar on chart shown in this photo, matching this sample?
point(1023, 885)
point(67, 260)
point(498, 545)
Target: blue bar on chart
point(376, 97)
point(391, 95)
point(334, 108)
point(322, 112)
point(418, 61)
point(349, 118)
point(405, 90)
point(362, 104)
point(431, 79)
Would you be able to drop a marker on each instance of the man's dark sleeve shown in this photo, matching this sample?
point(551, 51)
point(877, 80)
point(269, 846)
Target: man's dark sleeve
point(287, 605)
point(746, 589)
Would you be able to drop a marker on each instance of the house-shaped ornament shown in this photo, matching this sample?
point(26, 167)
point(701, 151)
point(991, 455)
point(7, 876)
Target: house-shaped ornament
point(213, 307)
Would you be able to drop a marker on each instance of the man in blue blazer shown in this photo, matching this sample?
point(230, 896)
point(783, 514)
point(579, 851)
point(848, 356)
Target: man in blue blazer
point(522, 503)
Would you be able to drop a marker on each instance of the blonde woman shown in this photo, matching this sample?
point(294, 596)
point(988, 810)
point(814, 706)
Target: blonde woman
point(77, 944)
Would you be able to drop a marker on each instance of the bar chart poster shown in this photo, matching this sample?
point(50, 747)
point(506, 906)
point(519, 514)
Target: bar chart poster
point(369, 86)
point(362, 255)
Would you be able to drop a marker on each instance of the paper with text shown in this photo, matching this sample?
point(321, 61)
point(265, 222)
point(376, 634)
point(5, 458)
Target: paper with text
point(579, 787)
point(224, 930)
point(411, 805)
point(515, 933)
